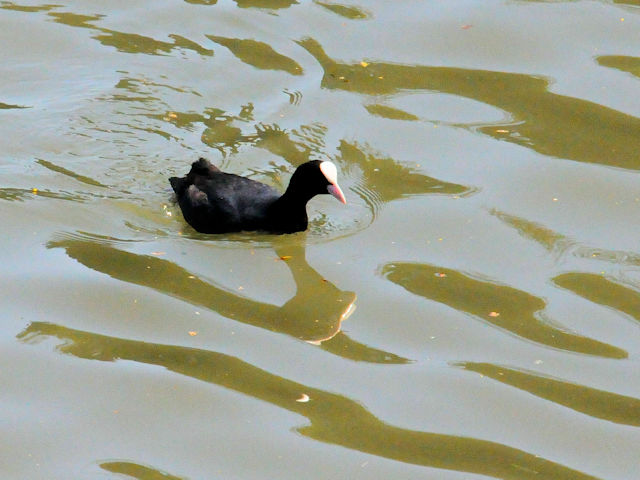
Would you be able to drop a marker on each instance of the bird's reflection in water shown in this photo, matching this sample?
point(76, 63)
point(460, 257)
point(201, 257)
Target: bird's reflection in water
point(314, 314)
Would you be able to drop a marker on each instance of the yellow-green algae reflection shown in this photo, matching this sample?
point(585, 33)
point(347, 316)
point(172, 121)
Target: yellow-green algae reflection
point(595, 287)
point(549, 123)
point(64, 171)
point(560, 244)
point(383, 176)
point(590, 401)
point(258, 54)
point(315, 322)
point(141, 472)
point(128, 42)
point(547, 238)
point(272, 4)
point(621, 62)
point(603, 291)
point(505, 307)
point(26, 8)
point(333, 418)
point(20, 194)
point(346, 11)
point(6, 106)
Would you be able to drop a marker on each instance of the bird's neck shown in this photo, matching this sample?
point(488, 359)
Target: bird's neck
point(290, 211)
point(297, 193)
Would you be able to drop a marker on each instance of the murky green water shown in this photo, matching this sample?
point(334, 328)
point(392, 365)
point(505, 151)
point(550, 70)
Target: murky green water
point(472, 313)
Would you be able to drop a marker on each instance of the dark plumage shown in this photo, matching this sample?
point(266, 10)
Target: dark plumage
point(213, 201)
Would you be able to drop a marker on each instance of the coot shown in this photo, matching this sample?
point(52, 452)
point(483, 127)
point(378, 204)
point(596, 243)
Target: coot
point(213, 201)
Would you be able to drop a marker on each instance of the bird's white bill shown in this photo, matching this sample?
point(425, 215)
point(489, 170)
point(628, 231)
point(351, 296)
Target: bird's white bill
point(334, 190)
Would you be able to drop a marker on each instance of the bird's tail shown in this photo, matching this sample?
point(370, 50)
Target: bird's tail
point(201, 167)
point(177, 184)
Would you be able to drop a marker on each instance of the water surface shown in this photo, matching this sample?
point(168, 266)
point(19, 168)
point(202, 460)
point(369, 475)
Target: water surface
point(471, 313)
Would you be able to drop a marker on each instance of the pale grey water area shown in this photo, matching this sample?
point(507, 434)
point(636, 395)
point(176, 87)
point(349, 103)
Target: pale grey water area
point(473, 312)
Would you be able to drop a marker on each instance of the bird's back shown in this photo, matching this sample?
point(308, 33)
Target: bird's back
point(213, 201)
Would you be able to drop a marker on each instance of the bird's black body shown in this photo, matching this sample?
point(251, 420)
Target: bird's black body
point(213, 201)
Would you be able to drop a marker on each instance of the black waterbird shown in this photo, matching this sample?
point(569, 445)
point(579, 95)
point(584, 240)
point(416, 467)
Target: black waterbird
point(213, 201)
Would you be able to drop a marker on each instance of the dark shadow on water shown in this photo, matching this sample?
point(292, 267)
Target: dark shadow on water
point(505, 307)
point(590, 401)
point(314, 314)
point(551, 124)
point(333, 418)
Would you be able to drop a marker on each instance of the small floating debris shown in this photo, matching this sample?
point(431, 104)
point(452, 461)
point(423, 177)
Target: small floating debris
point(304, 398)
